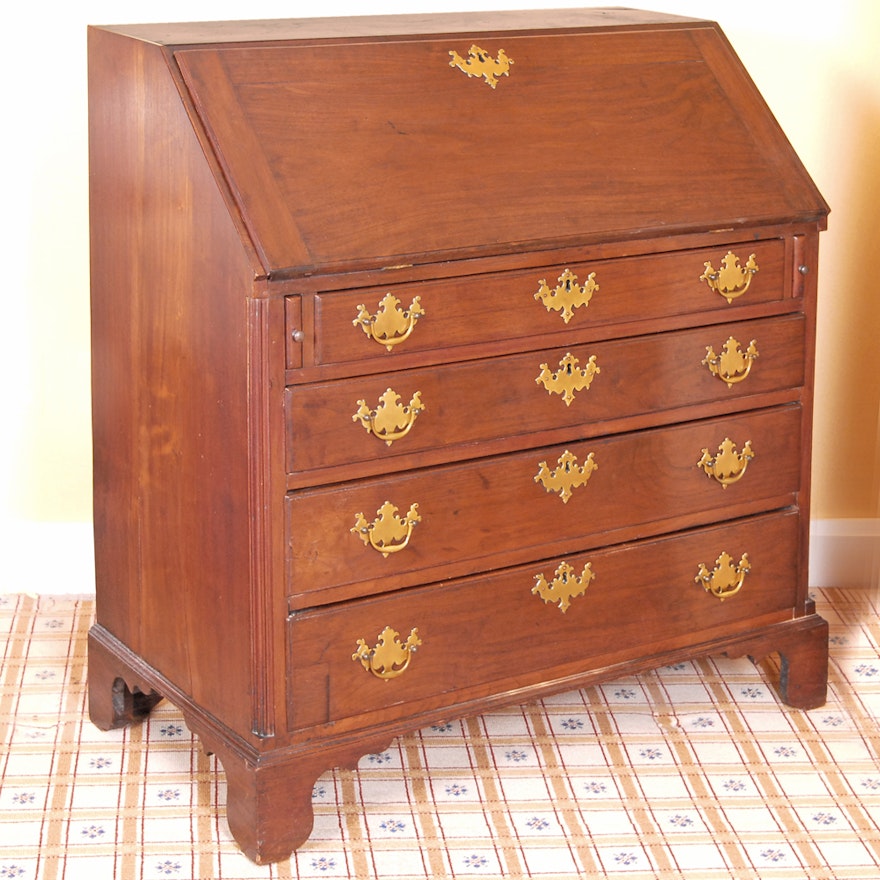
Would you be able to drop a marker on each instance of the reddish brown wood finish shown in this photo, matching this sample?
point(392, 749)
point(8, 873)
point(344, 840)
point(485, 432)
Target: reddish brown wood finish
point(170, 387)
point(476, 310)
point(482, 401)
point(644, 483)
point(464, 639)
point(115, 699)
point(254, 183)
point(566, 170)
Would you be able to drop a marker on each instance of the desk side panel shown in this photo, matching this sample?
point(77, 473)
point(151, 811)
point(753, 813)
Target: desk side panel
point(171, 281)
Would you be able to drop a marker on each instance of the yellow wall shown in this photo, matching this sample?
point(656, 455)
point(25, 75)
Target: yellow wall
point(814, 65)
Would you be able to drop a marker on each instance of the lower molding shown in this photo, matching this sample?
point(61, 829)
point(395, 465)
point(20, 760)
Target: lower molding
point(58, 558)
point(845, 552)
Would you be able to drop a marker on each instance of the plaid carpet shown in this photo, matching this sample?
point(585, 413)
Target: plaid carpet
point(695, 770)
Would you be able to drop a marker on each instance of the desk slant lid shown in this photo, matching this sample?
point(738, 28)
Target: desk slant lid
point(334, 159)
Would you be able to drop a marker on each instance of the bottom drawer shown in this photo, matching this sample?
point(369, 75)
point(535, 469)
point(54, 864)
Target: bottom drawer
point(526, 625)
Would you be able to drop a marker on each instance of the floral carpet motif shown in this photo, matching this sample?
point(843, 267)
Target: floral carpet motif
point(694, 770)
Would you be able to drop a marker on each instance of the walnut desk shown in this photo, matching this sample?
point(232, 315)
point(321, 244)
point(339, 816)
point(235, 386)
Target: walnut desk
point(440, 362)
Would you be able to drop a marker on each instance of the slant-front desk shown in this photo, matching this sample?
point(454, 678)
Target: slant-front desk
point(440, 362)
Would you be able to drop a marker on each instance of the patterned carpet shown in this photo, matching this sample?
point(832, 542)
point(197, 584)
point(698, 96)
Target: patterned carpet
point(692, 771)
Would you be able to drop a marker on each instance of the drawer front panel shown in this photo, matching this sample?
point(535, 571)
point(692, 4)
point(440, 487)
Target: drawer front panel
point(337, 423)
point(495, 511)
point(361, 324)
point(497, 631)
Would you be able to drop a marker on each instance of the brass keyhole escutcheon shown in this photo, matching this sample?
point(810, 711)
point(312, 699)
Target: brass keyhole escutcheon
point(390, 657)
point(733, 365)
point(480, 63)
point(567, 475)
point(732, 280)
point(568, 295)
point(726, 579)
point(391, 324)
point(568, 378)
point(564, 586)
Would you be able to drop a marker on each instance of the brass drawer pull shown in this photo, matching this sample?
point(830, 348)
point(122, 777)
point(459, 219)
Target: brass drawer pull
point(732, 279)
point(388, 533)
point(726, 579)
point(733, 364)
point(480, 63)
point(568, 378)
point(728, 465)
point(568, 294)
point(567, 476)
point(390, 420)
point(391, 325)
point(389, 658)
point(564, 586)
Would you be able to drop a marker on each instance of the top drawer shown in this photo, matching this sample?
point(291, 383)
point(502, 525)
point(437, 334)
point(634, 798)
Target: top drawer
point(379, 322)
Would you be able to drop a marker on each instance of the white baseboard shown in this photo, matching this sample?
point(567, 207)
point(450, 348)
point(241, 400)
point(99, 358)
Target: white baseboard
point(47, 557)
point(845, 552)
point(57, 558)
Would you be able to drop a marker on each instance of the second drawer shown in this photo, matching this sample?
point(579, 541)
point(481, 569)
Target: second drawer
point(377, 420)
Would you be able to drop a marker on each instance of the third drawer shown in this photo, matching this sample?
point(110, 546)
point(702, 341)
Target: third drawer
point(386, 533)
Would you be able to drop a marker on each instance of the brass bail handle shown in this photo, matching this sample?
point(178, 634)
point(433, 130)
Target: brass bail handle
point(727, 578)
point(727, 466)
point(391, 420)
point(391, 324)
point(732, 280)
point(733, 365)
point(390, 657)
point(388, 532)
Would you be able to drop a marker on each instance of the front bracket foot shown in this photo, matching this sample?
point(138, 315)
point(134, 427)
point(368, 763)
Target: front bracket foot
point(802, 646)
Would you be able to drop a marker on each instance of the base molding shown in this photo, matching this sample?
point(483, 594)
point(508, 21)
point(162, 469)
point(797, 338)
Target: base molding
point(845, 552)
point(269, 806)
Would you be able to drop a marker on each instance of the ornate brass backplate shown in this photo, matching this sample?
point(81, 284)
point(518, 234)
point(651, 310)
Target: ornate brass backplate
point(391, 420)
point(567, 476)
point(565, 586)
point(726, 579)
point(389, 658)
point(728, 465)
point(480, 63)
point(732, 279)
point(568, 378)
point(388, 533)
point(733, 364)
point(568, 294)
point(391, 325)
